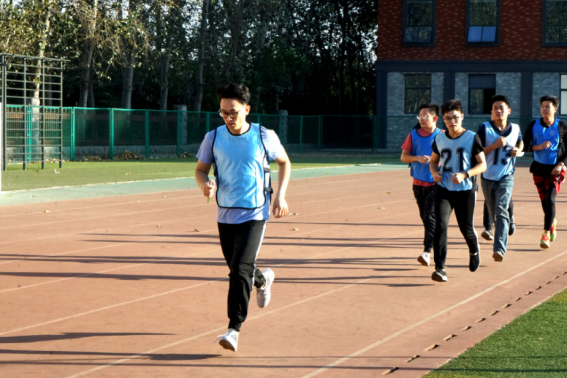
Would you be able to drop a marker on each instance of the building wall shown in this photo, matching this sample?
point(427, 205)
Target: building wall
point(400, 124)
point(520, 34)
point(545, 83)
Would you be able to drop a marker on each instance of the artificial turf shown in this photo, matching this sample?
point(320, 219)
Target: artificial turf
point(533, 345)
point(96, 172)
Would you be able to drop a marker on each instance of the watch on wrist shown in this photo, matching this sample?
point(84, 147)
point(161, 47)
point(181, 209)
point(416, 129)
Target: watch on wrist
point(467, 173)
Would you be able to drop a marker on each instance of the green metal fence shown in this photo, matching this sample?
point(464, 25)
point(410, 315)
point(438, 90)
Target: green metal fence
point(34, 134)
point(152, 132)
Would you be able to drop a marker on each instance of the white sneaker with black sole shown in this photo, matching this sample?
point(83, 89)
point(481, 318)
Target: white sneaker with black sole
point(439, 275)
point(264, 294)
point(229, 340)
point(424, 259)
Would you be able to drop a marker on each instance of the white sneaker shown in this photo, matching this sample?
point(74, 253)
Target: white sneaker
point(263, 295)
point(424, 259)
point(229, 340)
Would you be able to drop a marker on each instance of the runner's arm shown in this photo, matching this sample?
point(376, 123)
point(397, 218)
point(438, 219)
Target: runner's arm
point(202, 177)
point(280, 208)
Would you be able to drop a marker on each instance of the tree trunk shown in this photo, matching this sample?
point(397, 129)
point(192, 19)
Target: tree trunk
point(91, 99)
point(164, 81)
point(128, 80)
point(202, 46)
point(89, 45)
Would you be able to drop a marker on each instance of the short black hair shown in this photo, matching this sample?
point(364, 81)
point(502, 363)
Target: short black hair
point(237, 91)
point(451, 105)
point(433, 108)
point(554, 100)
point(502, 98)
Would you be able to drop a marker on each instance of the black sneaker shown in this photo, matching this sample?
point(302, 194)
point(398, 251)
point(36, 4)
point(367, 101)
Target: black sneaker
point(498, 256)
point(512, 229)
point(439, 275)
point(474, 261)
point(487, 235)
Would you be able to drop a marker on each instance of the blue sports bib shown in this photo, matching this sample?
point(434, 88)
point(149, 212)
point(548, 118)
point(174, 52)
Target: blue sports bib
point(546, 134)
point(500, 162)
point(241, 168)
point(422, 146)
point(455, 156)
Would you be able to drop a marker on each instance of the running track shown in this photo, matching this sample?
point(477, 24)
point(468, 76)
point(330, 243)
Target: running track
point(125, 286)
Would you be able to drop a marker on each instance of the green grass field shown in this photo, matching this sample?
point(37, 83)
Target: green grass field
point(533, 345)
point(82, 173)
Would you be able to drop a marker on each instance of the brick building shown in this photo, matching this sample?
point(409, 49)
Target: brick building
point(435, 50)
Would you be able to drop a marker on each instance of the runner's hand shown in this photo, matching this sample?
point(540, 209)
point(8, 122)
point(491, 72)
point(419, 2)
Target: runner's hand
point(500, 142)
point(544, 145)
point(514, 151)
point(279, 209)
point(209, 188)
point(424, 159)
point(437, 177)
point(457, 178)
point(557, 170)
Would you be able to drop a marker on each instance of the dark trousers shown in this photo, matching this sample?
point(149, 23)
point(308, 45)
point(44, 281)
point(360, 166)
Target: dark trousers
point(487, 221)
point(425, 198)
point(463, 203)
point(240, 245)
point(548, 205)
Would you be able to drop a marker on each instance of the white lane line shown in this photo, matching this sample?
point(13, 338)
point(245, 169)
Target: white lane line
point(165, 236)
point(220, 329)
point(175, 208)
point(371, 187)
point(339, 361)
point(415, 325)
point(186, 288)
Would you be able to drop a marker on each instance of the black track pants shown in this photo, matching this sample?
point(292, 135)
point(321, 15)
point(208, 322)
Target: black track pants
point(240, 245)
point(425, 198)
point(548, 205)
point(463, 203)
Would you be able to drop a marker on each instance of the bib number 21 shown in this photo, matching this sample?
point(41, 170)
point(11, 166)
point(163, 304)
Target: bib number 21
point(447, 155)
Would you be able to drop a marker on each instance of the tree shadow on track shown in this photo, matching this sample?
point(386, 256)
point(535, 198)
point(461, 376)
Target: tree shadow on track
point(69, 336)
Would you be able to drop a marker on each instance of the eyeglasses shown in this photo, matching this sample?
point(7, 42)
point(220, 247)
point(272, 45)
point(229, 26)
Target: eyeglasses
point(231, 115)
point(449, 119)
point(423, 117)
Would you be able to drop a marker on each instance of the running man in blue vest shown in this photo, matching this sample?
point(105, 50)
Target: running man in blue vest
point(240, 153)
point(502, 142)
point(416, 151)
point(544, 137)
point(457, 157)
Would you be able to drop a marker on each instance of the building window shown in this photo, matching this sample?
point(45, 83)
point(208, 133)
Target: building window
point(554, 22)
point(481, 90)
point(482, 21)
point(563, 98)
point(418, 92)
point(419, 22)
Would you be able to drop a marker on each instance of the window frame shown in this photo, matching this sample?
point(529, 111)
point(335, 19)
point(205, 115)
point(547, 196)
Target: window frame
point(404, 26)
point(470, 88)
point(544, 29)
point(468, 25)
point(419, 88)
point(561, 90)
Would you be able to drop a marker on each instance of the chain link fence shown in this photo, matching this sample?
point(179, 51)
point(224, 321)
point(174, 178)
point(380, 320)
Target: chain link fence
point(109, 132)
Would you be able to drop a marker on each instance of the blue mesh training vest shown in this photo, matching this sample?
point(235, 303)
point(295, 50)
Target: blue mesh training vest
point(241, 168)
point(546, 134)
point(500, 162)
point(455, 156)
point(422, 146)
